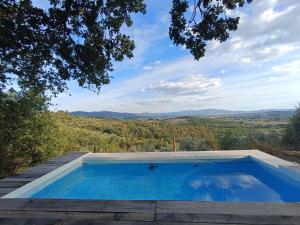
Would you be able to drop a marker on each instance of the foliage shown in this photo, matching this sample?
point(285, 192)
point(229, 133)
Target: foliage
point(190, 144)
point(27, 132)
point(271, 139)
point(232, 141)
point(210, 20)
point(112, 135)
point(76, 40)
point(291, 137)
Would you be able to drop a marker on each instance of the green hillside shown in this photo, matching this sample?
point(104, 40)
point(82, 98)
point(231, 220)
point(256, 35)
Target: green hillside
point(191, 133)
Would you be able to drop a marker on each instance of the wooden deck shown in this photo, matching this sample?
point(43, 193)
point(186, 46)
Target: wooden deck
point(90, 212)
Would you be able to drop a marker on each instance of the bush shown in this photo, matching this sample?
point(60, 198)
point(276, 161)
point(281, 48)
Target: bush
point(231, 141)
point(291, 136)
point(266, 140)
point(190, 144)
point(27, 130)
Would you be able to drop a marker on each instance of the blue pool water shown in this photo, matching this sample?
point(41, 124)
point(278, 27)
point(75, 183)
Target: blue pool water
point(239, 180)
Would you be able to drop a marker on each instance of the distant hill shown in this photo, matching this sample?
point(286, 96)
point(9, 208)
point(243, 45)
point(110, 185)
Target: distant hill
point(202, 112)
point(268, 114)
point(271, 113)
point(107, 114)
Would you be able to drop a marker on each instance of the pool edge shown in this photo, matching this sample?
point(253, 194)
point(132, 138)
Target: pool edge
point(27, 190)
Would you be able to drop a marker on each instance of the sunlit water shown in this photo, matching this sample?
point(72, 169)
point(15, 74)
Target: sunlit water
point(241, 180)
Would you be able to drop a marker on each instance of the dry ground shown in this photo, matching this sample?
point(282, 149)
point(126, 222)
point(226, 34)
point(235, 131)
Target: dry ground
point(289, 155)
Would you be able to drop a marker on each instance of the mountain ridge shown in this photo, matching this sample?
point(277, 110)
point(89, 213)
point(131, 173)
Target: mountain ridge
point(199, 113)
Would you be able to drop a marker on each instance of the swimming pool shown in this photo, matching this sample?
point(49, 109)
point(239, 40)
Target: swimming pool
point(227, 179)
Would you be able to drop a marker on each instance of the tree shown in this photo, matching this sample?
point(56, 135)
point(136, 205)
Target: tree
point(291, 137)
point(27, 130)
point(80, 40)
point(209, 21)
point(76, 40)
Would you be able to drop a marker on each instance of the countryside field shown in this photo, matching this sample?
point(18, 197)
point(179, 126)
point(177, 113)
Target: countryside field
point(191, 134)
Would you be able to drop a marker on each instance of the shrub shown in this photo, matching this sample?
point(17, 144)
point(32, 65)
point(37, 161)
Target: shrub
point(27, 130)
point(266, 140)
point(291, 136)
point(190, 144)
point(231, 141)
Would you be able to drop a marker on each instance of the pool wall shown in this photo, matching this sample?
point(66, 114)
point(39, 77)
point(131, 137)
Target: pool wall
point(289, 169)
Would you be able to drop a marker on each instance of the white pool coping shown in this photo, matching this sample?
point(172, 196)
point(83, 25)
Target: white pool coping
point(289, 169)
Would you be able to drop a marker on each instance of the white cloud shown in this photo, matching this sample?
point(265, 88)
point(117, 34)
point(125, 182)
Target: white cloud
point(152, 65)
point(245, 60)
point(259, 40)
point(271, 14)
point(291, 68)
point(191, 85)
point(147, 67)
point(154, 102)
point(277, 49)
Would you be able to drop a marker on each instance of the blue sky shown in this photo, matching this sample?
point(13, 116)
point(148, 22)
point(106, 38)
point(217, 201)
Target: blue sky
point(257, 68)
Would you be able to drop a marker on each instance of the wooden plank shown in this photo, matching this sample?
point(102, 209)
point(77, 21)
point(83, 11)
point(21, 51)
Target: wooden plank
point(227, 218)
point(127, 211)
point(97, 222)
point(239, 208)
point(17, 179)
point(61, 205)
point(107, 216)
point(28, 175)
point(50, 221)
point(33, 221)
point(66, 158)
point(12, 184)
point(43, 168)
point(52, 165)
point(4, 191)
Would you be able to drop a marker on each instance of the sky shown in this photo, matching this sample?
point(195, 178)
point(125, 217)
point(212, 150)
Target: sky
point(257, 68)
